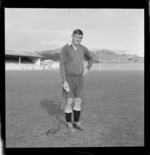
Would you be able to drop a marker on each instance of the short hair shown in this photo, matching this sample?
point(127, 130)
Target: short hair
point(78, 31)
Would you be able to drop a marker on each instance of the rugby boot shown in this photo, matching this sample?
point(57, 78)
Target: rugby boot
point(70, 127)
point(78, 126)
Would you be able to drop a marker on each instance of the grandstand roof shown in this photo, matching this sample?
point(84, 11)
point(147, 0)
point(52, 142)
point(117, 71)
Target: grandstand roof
point(22, 53)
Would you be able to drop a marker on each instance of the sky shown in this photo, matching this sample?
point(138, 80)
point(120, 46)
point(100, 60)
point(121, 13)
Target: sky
point(37, 29)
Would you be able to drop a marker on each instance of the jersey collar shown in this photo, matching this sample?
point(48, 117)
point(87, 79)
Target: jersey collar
point(70, 43)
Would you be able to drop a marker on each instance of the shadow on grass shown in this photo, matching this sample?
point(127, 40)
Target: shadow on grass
point(53, 109)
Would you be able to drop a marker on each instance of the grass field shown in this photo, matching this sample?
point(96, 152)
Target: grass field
point(113, 110)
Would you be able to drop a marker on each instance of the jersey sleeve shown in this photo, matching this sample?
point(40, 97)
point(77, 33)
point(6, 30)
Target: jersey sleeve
point(62, 63)
point(88, 58)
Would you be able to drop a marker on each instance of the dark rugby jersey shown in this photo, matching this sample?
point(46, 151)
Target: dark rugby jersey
point(71, 60)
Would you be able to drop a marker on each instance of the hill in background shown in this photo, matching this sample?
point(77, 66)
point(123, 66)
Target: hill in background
point(99, 55)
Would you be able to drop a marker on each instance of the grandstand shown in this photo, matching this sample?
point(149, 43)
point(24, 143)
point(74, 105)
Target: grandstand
point(22, 60)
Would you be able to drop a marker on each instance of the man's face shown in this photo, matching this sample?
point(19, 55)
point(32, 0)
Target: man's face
point(76, 39)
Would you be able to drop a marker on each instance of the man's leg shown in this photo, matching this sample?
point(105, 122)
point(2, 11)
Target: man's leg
point(68, 113)
point(77, 112)
point(77, 109)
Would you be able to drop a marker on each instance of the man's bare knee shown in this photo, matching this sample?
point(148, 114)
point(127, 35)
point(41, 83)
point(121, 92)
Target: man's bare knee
point(68, 106)
point(77, 100)
point(69, 100)
point(77, 104)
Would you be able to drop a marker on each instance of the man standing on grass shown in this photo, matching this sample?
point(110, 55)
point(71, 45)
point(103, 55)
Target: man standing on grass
point(72, 73)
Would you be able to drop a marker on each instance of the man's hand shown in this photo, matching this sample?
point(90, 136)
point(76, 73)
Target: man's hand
point(85, 71)
point(66, 86)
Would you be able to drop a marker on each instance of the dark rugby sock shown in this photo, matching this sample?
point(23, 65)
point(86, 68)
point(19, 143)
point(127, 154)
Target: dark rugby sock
point(68, 117)
point(76, 115)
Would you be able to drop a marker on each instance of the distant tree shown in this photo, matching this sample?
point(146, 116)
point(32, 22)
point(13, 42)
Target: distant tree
point(135, 60)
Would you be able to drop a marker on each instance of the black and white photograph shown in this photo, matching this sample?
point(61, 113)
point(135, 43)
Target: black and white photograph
point(74, 77)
